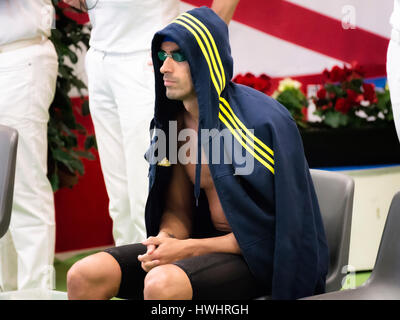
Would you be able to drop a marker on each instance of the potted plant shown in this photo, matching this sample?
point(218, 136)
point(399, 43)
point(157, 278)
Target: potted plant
point(355, 124)
point(64, 153)
point(346, 100)
point(290, 95)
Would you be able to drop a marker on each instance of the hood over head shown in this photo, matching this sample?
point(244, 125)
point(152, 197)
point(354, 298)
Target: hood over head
point(203, 37)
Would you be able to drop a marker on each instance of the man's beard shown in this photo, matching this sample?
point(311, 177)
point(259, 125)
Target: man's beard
point(174, 95)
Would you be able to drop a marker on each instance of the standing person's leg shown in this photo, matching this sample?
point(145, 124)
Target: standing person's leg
point(133, 85)
point(104, 112)
point(393, 75)
point(8, 264)
point(27, 85)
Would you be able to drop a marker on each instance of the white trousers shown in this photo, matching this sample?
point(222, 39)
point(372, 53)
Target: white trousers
point(393, 75)
point(27, 85)
point(121, 101)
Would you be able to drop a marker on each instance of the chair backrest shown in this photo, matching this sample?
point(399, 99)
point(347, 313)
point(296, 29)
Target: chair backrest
point(8, 154)
point(387, 264)
point(335, 192)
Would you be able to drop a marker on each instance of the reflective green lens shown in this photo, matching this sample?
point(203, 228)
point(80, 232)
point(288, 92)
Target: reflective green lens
point(162, 55)
point(177, 56)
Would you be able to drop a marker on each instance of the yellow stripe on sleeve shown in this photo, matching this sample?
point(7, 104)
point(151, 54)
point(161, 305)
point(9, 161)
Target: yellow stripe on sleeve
point(266, 156)
point(266, 148)
point(262, 161)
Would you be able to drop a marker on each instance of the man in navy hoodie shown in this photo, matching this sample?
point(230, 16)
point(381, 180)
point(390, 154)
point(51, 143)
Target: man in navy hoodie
point(237, 236)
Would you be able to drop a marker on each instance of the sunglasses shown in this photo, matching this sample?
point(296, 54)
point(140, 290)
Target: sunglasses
point(177, 56)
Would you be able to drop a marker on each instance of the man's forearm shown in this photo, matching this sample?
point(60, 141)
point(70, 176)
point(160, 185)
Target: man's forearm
point(225, 9)
point(175, 226)
point(164, 249)
point(223, 244)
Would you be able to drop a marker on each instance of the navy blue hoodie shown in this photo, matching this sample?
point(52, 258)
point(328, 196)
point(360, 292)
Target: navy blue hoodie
point(273, 211)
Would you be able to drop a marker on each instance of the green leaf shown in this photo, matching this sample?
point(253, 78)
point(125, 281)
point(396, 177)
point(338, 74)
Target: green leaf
point(69, 118)
point(71, 142)
point(85, 154)
point(73, 57)
point(55, 182)
point(337, 90)
point(85, 108)
point(90, 142)
point(78, 165)
point(81, 129)
point(78, 83)
point(355, 84)
point(61, 155)
point(335, 119)
point(290, 99)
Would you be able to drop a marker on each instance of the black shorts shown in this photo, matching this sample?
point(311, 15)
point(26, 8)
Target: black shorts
point(212, 276)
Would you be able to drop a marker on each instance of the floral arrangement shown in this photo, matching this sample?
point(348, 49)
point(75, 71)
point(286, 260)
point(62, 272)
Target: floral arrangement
point(346, 100)
point(343, 100)
point(288, 93)
point(261, 83)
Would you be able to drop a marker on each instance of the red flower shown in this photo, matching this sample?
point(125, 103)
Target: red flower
point(238, 79)
point(332, 95)
point(325, 106)
point(358, 69)
point(348, 73)
point(249, 75)
point(321, 94)
point(326, 74)
point(337, 74)
point(369, 92)
point(261, 83)
point(247, 79)
point(354, 97)
point(265, 77)
point(342, 105)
